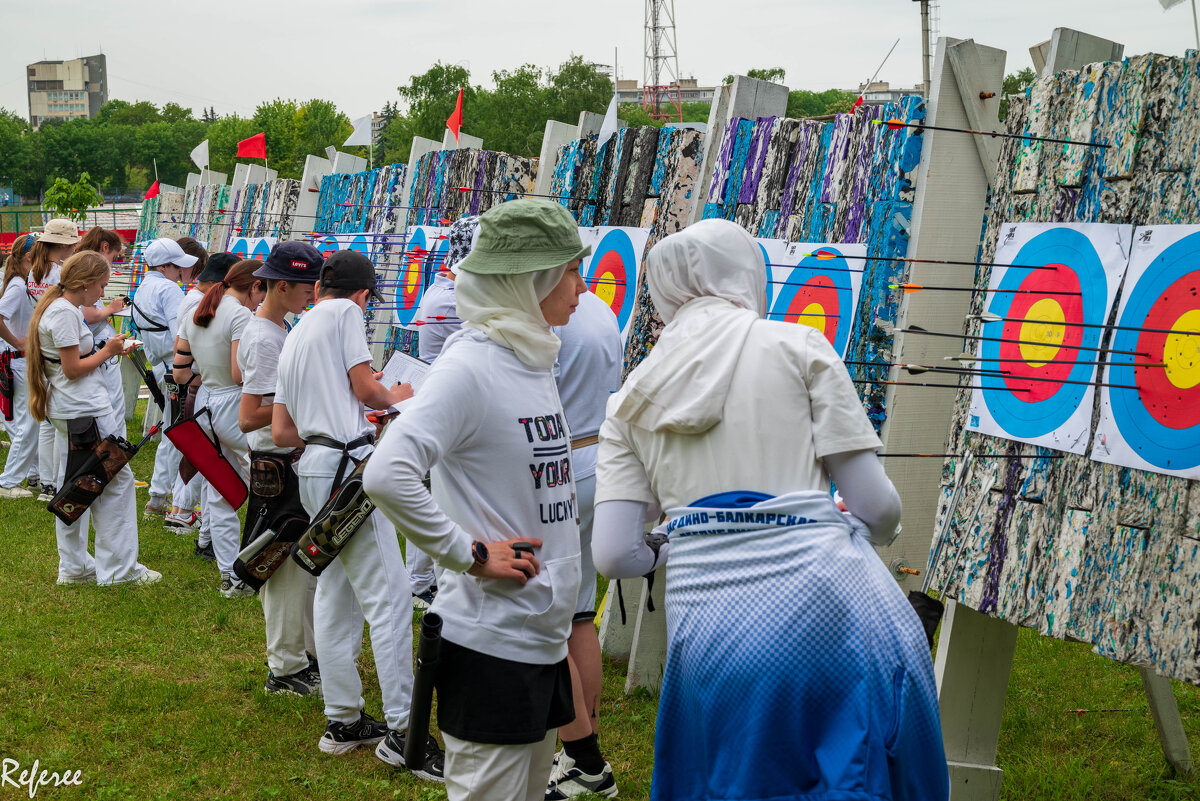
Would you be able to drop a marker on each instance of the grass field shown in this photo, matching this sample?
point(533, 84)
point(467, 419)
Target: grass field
point(156, 692)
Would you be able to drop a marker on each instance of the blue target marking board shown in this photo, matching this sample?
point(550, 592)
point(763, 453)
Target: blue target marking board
point(1155, 425)
point(329, 244)
point(252, 247)
point(816, 284)
point(612, 269)
point(1054, 287)
point(424, 254)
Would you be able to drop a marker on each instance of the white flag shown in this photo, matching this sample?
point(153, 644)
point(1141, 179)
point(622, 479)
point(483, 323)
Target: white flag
point(1169, 3)
point(200, 154)
point(362, 132)
point(609, 126)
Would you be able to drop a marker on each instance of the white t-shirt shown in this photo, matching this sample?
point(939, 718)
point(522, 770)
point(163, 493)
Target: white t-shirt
point(490, 430)
point(190, 301)
point(61, 326)
point(313, 383)
point(211, 346)
point(156, 303)
point(438, 301)
point(258, 358)
point(16, 307)
point(38, 288)
point(790, 404)
point(588, 370)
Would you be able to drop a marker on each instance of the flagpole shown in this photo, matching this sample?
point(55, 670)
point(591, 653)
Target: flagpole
point(155, 167)
point(1196, 24)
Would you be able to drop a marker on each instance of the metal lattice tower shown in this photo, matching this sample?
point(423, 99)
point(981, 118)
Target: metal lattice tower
point(660, 78)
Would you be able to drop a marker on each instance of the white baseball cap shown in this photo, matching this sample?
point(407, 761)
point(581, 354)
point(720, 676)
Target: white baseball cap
point(167, 251)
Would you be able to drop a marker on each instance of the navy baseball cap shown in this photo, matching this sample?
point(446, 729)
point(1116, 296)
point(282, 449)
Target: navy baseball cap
point(298, 262)
point(349, 269)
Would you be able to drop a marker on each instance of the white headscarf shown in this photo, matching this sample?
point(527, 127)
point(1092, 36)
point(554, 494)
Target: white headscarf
point(505, 307)
point(709, 284)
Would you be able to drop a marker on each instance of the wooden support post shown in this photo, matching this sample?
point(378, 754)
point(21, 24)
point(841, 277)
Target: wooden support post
point(1165, 711)
point(952, 183)
point(649, 653)
point(1069, 49)
point(465, 140)
point(616, 636)
point(974, 657)
point(556, 135)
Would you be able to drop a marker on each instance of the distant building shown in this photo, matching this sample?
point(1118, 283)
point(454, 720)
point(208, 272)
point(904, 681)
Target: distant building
point(628, 91)
point(66, 90)
point(378, 123)
point(879, 92)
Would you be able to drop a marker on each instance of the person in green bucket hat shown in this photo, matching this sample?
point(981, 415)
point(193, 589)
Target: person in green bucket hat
point(488, 425)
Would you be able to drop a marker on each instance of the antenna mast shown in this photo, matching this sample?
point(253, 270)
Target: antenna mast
point(660, 79)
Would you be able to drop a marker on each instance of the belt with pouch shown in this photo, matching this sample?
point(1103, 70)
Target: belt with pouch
point(344, 447)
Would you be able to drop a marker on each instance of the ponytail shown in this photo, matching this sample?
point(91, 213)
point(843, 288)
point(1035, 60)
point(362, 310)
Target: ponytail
point(79, 272)
point(17, 264)
point(39, 259)
point(240, 278)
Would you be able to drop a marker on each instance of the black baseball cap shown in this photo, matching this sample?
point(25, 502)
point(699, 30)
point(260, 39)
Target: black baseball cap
point(217, 267)
point(349, 269)
point(298, 262)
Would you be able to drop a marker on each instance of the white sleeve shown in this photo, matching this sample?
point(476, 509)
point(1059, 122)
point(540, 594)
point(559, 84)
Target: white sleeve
point(14, 294)
point(867, 492)
point(438, 418)
point(618, 546)
point(353, 336)
point(620, 474)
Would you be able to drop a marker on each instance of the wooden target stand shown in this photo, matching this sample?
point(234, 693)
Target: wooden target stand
point(974, 654)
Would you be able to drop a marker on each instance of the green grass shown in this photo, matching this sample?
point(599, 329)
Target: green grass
point(156, 692)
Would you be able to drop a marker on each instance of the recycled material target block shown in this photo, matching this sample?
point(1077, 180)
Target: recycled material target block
point(1155, 425)
point(1053, 287)
point(815, 284)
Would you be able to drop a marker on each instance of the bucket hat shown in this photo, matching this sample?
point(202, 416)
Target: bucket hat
point(60, 231)
point(524, 236)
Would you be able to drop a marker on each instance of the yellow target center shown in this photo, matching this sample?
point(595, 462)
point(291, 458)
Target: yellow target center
point(606, 288)
point(1052, 335)
point(813, 315)
point(412, 281)
point(1181, 352)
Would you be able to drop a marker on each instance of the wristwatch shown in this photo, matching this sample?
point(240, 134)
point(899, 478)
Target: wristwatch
point(479, 552)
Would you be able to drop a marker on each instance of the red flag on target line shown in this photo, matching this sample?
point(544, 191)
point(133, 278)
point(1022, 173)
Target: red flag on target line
point(152, 191)
point(253, 148)
point(454, 122)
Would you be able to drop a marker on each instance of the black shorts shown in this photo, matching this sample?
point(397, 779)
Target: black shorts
point(485, 699)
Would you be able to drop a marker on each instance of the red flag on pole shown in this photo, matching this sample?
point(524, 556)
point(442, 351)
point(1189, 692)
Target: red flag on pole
point(857, 103)
point(152, 191)
point(253, 148)
point(454, 123)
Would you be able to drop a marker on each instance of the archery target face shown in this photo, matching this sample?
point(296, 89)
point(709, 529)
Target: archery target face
point(253, 247)
point(1038, 363)
point(1155, 424)
point(612, 269)
point(422, 257)
point(816, 284)
point(332, 243)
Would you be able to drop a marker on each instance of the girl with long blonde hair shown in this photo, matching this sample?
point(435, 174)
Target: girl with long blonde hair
point(16, 310)
point(67, 390)
point(58, 240)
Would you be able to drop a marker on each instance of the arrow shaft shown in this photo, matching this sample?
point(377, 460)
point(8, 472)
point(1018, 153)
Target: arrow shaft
point(1025, 137)
point(943, 261)
point(921, 287)
point(1093, 325)
point(923, 332)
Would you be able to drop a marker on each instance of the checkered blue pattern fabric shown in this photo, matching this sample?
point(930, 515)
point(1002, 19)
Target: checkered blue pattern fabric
point(796, 668)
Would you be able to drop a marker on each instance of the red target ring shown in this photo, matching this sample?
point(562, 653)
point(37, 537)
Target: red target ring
point(1171, 394)
point(608, 280)
point(815, 304)
point(1055, 359)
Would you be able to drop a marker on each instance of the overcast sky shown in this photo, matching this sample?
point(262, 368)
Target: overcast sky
point(232, 55)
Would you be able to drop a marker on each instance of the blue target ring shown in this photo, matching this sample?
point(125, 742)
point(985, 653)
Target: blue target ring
point(1023, 417)
point(837, 272)
point(1171, 278)
point(240, 248)
point(612, 265)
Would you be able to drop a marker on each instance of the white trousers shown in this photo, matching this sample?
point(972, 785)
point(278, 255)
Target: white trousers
point(481, 772)
point(114, 515)
point(366, 582)
point(420, 568)
point(166, 459)
point(287, 601)
point(225, 527)
point(22, 433)
point(111, 370)
point(48, 466)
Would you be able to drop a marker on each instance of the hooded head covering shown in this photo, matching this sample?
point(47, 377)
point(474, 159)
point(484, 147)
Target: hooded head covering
point(505, 307)
point(709, 284)
point(462, 236)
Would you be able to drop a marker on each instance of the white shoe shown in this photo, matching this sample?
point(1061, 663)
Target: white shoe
point(149, 577)
point(86, 578)
point(15, 492)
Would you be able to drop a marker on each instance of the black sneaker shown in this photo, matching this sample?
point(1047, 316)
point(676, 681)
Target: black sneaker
point(568, 781)
point(302, 682)
point(425, 599)
point(341, 738)
point(206, 553)
point(391, 751)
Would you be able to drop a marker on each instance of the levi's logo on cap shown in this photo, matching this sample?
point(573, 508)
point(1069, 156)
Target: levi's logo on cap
point(299, 265)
